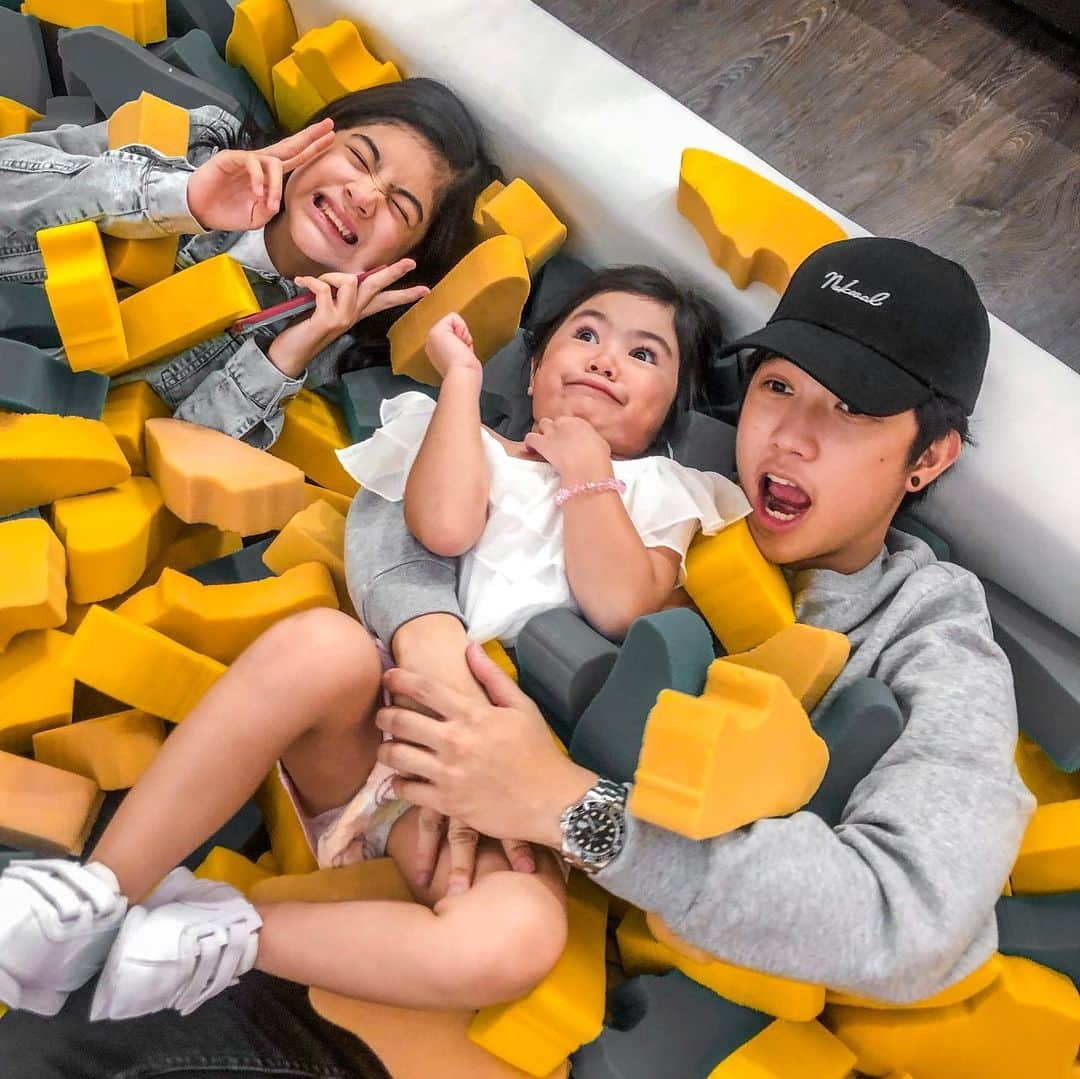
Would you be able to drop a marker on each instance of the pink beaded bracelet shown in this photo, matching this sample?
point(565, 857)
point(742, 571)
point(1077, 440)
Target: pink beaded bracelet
point(564, 494)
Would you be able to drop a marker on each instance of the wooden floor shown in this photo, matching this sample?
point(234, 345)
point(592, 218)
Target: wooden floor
point(955, 123)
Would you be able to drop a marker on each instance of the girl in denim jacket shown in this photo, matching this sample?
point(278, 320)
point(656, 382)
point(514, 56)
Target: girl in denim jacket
point(378, 175)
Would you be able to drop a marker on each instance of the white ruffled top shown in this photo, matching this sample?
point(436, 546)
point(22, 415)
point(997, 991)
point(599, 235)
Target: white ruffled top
point(517, 568)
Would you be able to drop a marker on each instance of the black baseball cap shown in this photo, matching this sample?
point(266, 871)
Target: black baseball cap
point(884, 324)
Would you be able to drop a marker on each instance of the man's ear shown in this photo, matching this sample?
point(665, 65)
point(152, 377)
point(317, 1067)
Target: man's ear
point(937, 458)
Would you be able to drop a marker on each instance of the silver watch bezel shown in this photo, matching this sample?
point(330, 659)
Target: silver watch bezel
point(605, 802)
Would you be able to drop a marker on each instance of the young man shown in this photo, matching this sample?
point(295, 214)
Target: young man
point(858, 399)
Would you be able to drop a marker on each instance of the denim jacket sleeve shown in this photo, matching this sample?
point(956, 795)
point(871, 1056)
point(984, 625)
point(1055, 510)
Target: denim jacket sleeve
point(52, 178)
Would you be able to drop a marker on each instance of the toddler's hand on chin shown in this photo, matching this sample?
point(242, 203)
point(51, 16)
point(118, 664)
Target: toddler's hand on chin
point(449, 345)
point(572, 446)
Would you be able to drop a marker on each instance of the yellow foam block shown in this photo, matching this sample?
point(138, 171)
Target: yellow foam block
point(313, 430)
point(744, 599)
point(407, 1041)
point(488, 288)
point(314, 493)
point(499, 655)
point(142, 20)
point(268, 863)
point(378, 878)
point(1026, 1024)
point(232, 868)
point(127, 408)
point(648, 946)
point(566, 1009)
point(1049, 858)
point(336, 61)
point(184, 309)
point(110, 536)
point(33, 592)
point(287, 840)
point(807, 658)
point(742, 750)
point(754, 229)
point(1042, 777)
point(36, 688)
point(139, 666)
point(45, 809)
point(44, 457)
point(15, 118)
point(295, 98)
point(483, 199)
point(78, 283)
point(221, 620)
point(978, 980)
point(194, 545)
point(316, 534)
point(141, 262)
point(517, 210)
point(784, 1049)
point(113, 750)
point(263, 32)
point(206, 477)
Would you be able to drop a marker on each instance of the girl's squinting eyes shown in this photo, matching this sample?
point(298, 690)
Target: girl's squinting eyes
point(367, 168)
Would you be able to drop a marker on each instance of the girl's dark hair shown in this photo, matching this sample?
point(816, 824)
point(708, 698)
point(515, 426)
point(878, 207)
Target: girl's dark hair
point(934, 419)
point(698, 331)
point(439, 117)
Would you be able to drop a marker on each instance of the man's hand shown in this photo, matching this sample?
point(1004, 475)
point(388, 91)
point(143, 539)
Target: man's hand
point(573, 447)
point(493, 766)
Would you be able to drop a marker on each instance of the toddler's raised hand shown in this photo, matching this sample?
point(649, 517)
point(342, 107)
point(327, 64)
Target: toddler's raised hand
point(241, 189)
point(449, 344)
point(573, 446)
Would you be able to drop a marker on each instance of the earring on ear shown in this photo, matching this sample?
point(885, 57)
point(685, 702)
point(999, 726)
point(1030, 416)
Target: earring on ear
point(914, 482)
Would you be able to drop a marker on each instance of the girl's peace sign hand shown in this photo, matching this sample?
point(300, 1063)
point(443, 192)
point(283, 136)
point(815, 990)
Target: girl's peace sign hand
point(241, 189)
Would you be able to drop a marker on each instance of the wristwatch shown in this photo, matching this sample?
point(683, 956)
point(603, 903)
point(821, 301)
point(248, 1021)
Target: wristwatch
point(594, 828)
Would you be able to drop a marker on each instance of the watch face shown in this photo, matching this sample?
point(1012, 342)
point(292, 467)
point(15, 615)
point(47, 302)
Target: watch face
point(595, 831)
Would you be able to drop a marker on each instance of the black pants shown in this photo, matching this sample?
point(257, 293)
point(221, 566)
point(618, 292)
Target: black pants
point(262, 1027)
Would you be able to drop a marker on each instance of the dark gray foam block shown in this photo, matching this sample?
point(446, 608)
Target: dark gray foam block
point(25, 315)
point(213, 17)
point(860, 725)
point(243, 565)
point(668, 650)
point(362, 392)
point(1045, 661)
point(505, 406)
point(562, 663)
point(1043, 928)
point(557, 281)
point(117, 70)
point(705, 443)
point(35, 512)
point(666, 1026)
point(234, 834)
point(34, 381)
point(906, 523)
point(24, 69)
point(59, 111)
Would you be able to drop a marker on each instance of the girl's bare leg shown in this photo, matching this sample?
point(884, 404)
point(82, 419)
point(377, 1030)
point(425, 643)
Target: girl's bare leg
point(490, 944)
point(303, 692)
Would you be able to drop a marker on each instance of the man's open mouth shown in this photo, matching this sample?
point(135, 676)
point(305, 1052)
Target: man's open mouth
point(322, 204)
point(782, 499)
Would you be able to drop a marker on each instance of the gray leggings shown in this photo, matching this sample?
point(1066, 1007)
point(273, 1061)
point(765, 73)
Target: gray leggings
point(393, 577)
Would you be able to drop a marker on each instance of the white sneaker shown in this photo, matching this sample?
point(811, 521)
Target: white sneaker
point(189, 941)
point(57, 922)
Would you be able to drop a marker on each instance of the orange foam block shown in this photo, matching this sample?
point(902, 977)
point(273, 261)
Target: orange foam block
point(141, 20)
point(1042, 777)
point(648, 946)
point(36, 688)
point(315, 534)
point(194, 545)
point(127, 408)
point(754, 229)
point(113, 750)
point(744, 599)
point(295, 99)
point(742, 750)
point(378, 878)
point(78, 284)
point(807, 658)
point(1025, 1024)
point(287, 840)
point(146, 121)
point(314, 493)
point(221, 620)
point(517, 210)
point(784, 1049)
point(139, 666)
point(44, 457)
point(566, 1009)
point(313, 431)
point(263, 32)
point(33, 592)
point(206, 477)
point(232, 868)
point(45, 809)
point(498, 655)
point(184, 309)
point(336, 62)
point(968, 987)
point(488, 288)
point(16, 118)
point(110, 536)
point(1049, 858)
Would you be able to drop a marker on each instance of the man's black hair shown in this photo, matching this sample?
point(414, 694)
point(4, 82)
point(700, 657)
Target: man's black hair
point(698, 330)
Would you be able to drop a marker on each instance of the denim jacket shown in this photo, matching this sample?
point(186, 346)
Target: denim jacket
point(56, 177)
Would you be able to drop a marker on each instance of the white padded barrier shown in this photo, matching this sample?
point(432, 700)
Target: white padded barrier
point(603, 145)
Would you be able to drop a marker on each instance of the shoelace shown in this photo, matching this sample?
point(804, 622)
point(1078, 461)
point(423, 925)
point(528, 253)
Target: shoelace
point(66, 887)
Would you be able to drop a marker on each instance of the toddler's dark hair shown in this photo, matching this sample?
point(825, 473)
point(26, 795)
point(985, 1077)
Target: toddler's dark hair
point(698, 331)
